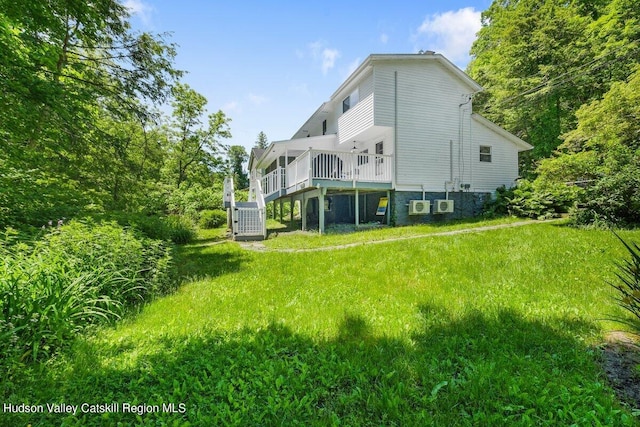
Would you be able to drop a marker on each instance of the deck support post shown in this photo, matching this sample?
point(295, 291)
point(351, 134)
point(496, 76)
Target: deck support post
point(323, 191)
point(303, 212)
point(357, 208)
point(291, 206)
point(281, 219)
point(388, 207)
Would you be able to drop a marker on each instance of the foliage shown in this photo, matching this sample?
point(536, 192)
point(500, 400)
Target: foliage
point(31, 197)
point(628, 284)
point(237, 156)
point(190, 201)
point(262, 141)
point(181, 229)
point(192, 148)
point(74, 275)
point(604, 152)
point(78, 90)
point(531, 200)
point(540, 61)
point(212, 218)
point(612, 200)
point(351, 337)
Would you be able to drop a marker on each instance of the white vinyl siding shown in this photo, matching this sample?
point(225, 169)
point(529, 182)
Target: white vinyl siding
point(356, 120)
point(503, 168)
point(428, 99)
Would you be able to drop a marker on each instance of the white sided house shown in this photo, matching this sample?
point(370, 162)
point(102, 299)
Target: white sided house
point(397, 143)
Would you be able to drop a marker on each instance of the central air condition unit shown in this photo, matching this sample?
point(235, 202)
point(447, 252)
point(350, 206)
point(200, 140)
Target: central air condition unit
point(443, 206)
point(419, 207)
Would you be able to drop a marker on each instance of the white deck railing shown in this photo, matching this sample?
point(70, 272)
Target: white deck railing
point(339, 166)
point(274, 181)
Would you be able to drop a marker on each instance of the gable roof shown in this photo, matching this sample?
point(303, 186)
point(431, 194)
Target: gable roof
point(256, 153)
point(378, 58)
point(522, 145)
point(388, 57)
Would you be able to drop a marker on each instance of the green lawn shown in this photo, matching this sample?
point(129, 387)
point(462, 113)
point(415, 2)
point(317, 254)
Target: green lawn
point(499, 327)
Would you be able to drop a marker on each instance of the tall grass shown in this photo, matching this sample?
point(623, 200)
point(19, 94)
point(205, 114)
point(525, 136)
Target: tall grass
point(74, 276)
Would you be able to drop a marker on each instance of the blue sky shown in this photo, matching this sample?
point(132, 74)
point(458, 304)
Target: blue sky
point(270, 65)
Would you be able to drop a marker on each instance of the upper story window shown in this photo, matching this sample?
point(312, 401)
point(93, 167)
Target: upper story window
point(350, 101)
point(485, 153)
point(324, 127)
point(346, 104)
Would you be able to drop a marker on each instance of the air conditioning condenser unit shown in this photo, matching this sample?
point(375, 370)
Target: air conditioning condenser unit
point(419, 207)
point(443, 206)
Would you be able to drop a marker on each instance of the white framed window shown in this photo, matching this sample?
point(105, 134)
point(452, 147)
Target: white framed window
point(485, 153)
point(350, 101)
point(346, 104)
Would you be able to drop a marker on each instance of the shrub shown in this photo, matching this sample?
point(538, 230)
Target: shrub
point(181, 229)
point(151, 226)
point(531, 200)
point(614, 199)
point(212, 218)
point(194, 199)
point(628, 284)
point(75, 275)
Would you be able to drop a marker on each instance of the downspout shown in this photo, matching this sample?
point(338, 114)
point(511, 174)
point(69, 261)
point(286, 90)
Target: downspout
point(461, 138)
point(395, 127)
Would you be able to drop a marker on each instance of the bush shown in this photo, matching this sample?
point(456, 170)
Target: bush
point(212, 218)
point(194, 199)
point(531, 200)
point(614, 199)
point(74, 276)
point(628, 284)
point(181, 229)
point(175, 228)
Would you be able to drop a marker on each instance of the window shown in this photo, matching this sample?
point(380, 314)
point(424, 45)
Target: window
point(324, 127)
point(485, 153)
point(350, 101)
point(346, 104)
point(379, 148)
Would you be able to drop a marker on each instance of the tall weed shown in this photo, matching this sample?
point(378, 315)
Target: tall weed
point(74, 276)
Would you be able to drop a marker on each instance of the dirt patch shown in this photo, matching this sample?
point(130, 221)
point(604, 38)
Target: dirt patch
point(621, 363)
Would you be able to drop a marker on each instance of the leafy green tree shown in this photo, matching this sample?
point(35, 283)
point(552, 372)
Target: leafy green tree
point(529, 56)
point(237, 157)
point(193, 148)
point(68, 72)
point(603, 153)
point(262, 141)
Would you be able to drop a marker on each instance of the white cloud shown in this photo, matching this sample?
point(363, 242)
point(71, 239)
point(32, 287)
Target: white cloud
point(319, 52)
point(257, 99)
point(140, 9)
point(329, 57)
point(231, 106)
point(451, 33)
point(384, 38)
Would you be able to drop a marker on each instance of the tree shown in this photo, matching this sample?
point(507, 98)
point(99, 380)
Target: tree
point(262, 141)
point(193, 148)
point(529, 56)
point(237, 156)
point(604, 153)
point(70, 73)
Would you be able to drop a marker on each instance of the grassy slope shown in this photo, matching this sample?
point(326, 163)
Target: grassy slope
point(468, 329)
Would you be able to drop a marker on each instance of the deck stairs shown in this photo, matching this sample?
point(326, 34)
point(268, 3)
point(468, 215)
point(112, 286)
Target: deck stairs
point(247, 220)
